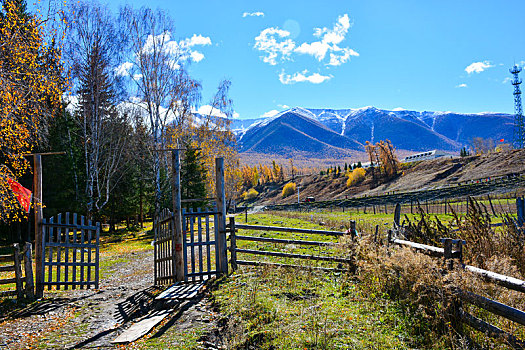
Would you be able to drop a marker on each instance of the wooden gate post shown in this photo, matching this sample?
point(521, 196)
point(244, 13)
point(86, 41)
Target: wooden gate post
point(37, 207)
point(221, 254)
point(520, 210)
point(178, 256)
point(233, 241)
point(28, 268)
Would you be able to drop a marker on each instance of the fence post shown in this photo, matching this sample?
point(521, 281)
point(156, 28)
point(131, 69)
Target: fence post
point(37, 204)
point(389, 238)
point(221, 254)
point(177, 217)
point(375, 235)
point(233, 248)
point(18, 272)
point(447, 246)
point(397, 215)
point(28, 267)
point(353, 230)
point(520, 210)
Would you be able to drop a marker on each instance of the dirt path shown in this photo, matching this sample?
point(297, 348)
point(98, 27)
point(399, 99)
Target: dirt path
point(93, 318)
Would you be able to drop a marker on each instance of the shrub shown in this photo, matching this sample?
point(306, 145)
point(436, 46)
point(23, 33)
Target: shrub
point(289, 189)
point(356, 176)
point(251, 194)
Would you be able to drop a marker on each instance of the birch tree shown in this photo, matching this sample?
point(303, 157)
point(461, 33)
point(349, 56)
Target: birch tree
point(93, 50)
point(162, 86)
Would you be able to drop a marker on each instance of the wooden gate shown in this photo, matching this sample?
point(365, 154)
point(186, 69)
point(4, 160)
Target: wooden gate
point(164, 249)
point(70, 252)
point(199, 232)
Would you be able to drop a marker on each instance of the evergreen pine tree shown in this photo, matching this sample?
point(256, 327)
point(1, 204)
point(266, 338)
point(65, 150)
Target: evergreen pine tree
point(193, 177)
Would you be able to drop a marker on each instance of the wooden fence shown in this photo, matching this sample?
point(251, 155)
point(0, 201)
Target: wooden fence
point(17, 258)
point(234, 249)
point(70, 252)
point(453, 249)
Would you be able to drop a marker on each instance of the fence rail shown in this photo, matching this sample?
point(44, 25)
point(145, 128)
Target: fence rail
point(24, 282)
point(453, 250)
point(234, 249)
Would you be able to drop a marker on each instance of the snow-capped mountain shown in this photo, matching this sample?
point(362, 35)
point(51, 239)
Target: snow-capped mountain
point(307, 130)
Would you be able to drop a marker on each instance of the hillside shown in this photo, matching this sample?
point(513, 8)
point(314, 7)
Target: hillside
point(330, 133)
point(415, 176)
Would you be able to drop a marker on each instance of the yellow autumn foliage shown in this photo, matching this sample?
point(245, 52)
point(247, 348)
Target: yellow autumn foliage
point(250, 194)
point(30, 93)
point(289, 189)
point(356, 176)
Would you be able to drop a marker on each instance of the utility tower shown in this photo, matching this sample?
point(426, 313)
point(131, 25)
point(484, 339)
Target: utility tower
point(519, 128)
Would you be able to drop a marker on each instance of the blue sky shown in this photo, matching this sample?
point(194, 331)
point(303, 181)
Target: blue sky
point(418, 55)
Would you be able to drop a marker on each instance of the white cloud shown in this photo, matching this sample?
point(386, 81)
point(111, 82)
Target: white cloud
point(196, 56)
point(506, 80)
point(197, 40)
point(462, 85)
point(303, 76)
point(123, 69)
point(269, 114)
point(284, 106)
point(180, 50)
point(253, 14)
point(274, 42)
point(209, 110)
point(478, 67)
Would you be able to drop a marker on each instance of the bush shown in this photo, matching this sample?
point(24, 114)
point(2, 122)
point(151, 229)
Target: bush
point(356, 176)
point(289, 189)
point(251, 194)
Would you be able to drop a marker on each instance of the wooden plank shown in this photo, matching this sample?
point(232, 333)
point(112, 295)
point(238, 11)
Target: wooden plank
point(505, 281)
point(264, 263)
point(233, 241)
point(18, 272)
point(208, 246)
point(97, 255)
point(192, 241)
point(28, 267)
point(75, 229)
point(221, 254)
point(7, 268)
point(202, 213)
point(200, 244)
point(184, 248)
point(181, 291)
point(436, 251)
point(491, 330)
point(287, 229)
point(141, 328)
point(494, 307)
point(90, 234)
point(38, 211)
point(66, 257)
point(59, 249)
point(6, 258)
point(82, 252)
point(278, 240)
point(70, 226)
point(296, 256)
point(204, 273)
point(199, 240)
point(178, 245)
point(50, 232)
point(8, 281)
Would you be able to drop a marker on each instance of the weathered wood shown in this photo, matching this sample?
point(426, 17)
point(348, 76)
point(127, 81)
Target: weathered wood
point(6, 258)
point(7, 268)
point(37, 208)
point(491, 330)
point(397, 215)
point(494, 307)
point(8, 281)
point(28, 269)
point(285, 241)
point(264, 263)
point(502, 280)
point(141, 328)
point(431, 250)
point(178, 258)
point(233, 244)
point(296, 256)
point(180, 291)
point(221, 254)
point(287, 229)
point(18, 271)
